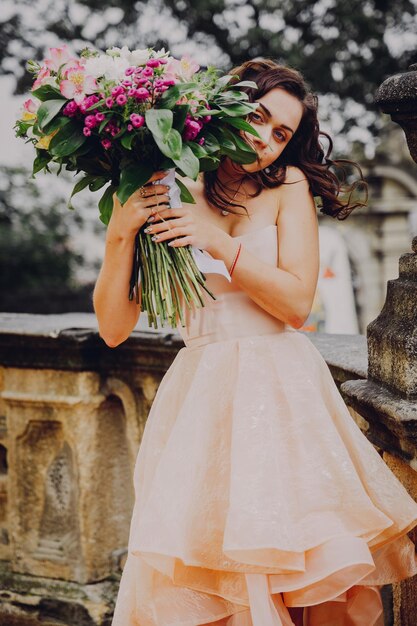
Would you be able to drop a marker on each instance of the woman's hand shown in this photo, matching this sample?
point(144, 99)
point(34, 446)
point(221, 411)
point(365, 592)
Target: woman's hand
point(126, 220)
point(182, 227)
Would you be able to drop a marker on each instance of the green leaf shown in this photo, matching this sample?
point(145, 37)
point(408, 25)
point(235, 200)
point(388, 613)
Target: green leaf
point(240, 143)
point(127, 140)
point(169, 98)
point(40, 161)
point(47, 92)
point(236, 110)
point(79, 186)
point(246, 83)
point(131, 178)
point(171, 145)
point(197, 149)
point(188, 163)
point(211, 143)
point(58, 122)
point(238, 156)
point(209, 163)
point(159, 122)
point(241, 125)
point(97, 183)
point(185, 192)
point(180, 113)
point(47, 111)
point(67, 140)
point(105, 204)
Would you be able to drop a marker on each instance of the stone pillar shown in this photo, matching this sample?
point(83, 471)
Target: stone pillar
point(387, 399)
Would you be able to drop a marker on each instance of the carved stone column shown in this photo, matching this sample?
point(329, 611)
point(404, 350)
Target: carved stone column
point(387, 399)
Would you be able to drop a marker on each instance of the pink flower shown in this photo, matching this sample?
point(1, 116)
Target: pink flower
point(114, 131)
point(206, 118)
point(132, 92)
point(90, 121)
point(201, 141)
point(87, 131)
point(153, 63)
point(77, 85)
point(99, 117)
point(30, 106)
point(121, 100)
point(70, 109)
point(109, 102)
point(192, 128)
point(130, 71)
point(58, 57)
point(116, 91)
point(106, 143)
point(147, 71)
point(169, 79)
point(142, 93)
point(42, 78)
point(129, 127)
point(137, 120)
point(141, 80)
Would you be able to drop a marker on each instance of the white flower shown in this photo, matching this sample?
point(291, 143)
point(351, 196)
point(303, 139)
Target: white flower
point(133, 57)
point(111, 67)
point(139, 57)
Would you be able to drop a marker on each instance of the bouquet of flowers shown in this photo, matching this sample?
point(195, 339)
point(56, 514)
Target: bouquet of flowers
point(122, 115)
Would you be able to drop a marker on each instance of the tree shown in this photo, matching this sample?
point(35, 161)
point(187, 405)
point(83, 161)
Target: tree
point(37, 261)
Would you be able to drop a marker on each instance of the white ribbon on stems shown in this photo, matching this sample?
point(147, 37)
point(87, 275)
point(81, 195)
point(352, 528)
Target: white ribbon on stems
point(204, 261)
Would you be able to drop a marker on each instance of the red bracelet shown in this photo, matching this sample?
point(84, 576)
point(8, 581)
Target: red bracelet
point(235, 259)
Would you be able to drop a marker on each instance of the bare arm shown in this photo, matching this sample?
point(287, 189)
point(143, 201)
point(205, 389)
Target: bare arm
point(116, 314)
point(286, 292)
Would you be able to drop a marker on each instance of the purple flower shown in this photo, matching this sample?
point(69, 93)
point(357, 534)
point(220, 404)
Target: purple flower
point(121, 99)
point(142, 93)
point(137, 120)
point(70, 109)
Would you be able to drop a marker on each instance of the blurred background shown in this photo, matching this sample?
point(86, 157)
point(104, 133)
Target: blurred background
point(50, 256)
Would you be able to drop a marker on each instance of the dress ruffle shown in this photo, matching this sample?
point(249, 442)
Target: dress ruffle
point(256, 491)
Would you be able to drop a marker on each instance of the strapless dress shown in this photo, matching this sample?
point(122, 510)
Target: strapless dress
point(255, 490)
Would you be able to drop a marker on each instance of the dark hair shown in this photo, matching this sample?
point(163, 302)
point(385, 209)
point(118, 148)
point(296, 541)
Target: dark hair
point(303, 150)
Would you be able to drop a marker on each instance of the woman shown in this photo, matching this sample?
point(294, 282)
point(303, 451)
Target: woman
point(259, 502)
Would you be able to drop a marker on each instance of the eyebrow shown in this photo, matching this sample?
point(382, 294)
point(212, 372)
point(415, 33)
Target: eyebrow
point(268, 113)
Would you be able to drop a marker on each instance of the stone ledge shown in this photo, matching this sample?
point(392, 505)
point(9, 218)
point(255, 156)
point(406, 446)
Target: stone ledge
point(71, 341)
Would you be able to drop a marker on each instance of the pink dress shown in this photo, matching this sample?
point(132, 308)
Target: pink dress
point(255, 489)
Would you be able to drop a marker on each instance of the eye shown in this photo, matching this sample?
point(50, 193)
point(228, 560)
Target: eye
point(252, 115)
point(282, 135)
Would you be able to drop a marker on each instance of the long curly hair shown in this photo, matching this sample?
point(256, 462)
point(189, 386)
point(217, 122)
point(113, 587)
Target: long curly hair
point(304, 149)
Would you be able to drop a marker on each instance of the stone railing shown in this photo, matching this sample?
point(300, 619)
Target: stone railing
point(72, 415)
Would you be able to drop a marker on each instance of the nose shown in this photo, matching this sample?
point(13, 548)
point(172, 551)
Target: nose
point(265, 137)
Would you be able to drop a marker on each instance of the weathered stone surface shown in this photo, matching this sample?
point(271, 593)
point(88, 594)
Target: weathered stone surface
point(392, 336)
point(398, 96)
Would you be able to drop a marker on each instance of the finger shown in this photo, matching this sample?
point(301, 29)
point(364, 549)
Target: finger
point(182, 241)
point(157, 201)
point(169, 212)
point(157, 176)
point(169, 233)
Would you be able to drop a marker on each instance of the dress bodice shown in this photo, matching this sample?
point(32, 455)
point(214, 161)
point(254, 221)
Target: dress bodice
point(234, 314)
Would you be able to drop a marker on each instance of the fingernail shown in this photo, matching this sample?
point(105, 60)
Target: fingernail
point(155, 238)
point(147, 230)
point(150, 219)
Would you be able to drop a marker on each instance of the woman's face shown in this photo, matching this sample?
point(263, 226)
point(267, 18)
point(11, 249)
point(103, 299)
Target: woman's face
point(276, 119)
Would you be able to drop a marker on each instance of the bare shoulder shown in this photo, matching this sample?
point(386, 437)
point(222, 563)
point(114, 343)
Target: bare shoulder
point(294, 174)
point(295, 198)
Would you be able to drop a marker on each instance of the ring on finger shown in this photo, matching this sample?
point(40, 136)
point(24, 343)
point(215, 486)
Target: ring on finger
point(142, 192)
